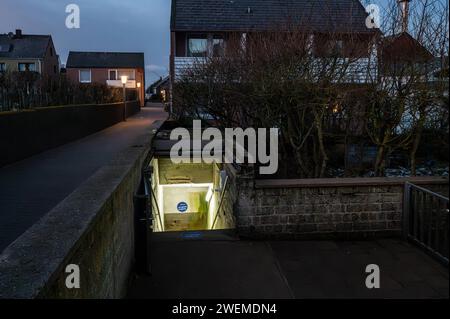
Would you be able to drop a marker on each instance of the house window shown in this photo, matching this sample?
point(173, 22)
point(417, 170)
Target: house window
point(218, 47)
point(130, 74)
point(85, 76)
point(197, 47)
point(27, 67)
point(339, 47)
point(55, 69)
point(2, 67)
point(51, 51)
point(112, 75)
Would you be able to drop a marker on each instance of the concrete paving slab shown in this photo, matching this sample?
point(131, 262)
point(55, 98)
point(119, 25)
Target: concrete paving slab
point(211, 269)
point(404, 268)
point(283, 269)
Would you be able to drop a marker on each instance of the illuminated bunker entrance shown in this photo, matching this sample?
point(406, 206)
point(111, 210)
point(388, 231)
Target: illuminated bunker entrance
point(190, 196)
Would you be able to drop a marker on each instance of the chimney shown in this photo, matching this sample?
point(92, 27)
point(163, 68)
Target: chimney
point(18, 33)
point(404, 9)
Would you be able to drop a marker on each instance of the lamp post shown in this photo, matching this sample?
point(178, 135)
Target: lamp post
point(124, 80)
point(139, 92)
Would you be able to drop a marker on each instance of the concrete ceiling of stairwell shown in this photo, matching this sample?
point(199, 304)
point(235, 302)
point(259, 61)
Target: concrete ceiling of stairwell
point(170, 173)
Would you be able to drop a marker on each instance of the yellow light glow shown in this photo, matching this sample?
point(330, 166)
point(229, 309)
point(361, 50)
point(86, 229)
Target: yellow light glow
point(209, 194)
point(336, 109)
point(124, 79)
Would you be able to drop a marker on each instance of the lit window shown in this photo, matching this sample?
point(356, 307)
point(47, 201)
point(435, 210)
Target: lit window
point(198, 47)
point(130, 74)
point(85, 76)
point(27, 67)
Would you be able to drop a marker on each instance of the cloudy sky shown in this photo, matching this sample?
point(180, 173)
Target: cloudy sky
point(106, 25)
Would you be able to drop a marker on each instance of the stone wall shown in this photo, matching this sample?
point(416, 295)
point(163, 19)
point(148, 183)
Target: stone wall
point(323, 208)
point(92, 228)
point(26, 133)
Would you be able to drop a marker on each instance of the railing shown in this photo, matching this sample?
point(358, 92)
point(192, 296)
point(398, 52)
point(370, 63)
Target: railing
point(131, 84)
point(426, 220)
point(222, 197)
point(363, 70)
point(149, 191)
point(183, 64)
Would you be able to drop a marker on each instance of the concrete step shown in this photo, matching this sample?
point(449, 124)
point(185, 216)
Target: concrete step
point(200, 235)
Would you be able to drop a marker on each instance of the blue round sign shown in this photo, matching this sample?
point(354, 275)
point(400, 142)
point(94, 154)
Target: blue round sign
point(182, 207)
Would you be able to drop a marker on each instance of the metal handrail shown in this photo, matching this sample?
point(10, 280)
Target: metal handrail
point(413, 213)
point(220, 203)
point(428, 191)
point(148, 191)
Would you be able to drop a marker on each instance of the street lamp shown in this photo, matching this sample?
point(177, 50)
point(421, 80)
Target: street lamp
point(139, 92)
point(124, 80)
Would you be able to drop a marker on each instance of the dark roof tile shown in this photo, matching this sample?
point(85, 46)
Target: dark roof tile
point(105, 60)
point(25, 47)
point(233, 15)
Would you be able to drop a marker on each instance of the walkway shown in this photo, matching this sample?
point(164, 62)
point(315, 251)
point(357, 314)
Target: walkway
point(32, 187)
point(289, 269)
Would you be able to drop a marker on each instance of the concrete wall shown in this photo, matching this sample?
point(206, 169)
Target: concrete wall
point(323, 208)
point(26, 133)
point(92, 228)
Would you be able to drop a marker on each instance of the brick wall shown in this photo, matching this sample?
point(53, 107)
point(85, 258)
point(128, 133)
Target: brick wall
point(351, 208)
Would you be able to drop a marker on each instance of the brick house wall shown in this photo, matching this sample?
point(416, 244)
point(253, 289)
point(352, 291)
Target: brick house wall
point(101, 76)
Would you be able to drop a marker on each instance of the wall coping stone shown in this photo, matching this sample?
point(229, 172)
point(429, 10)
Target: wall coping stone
point(349, 182)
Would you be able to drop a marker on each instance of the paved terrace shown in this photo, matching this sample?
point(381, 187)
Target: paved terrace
point(32, 187)
point(286, 269)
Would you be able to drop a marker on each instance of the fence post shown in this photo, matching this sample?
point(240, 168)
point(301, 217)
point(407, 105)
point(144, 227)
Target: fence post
point(406, 209)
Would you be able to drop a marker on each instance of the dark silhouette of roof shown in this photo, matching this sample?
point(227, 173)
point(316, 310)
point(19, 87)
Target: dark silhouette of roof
point(24, 46)
point(403, 47)
point(264, 15)
point(161, 82)
point(105, 60)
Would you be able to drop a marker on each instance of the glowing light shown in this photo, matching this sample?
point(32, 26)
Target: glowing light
point(124, 79)
point(209, 194)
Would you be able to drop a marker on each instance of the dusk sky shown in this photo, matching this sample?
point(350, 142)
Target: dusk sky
point(106, 25)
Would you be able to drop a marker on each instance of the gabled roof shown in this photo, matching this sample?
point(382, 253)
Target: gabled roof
point(105, 60)
point(263, 15)
point(158, 83)
point(403, 47)
point(24, 47)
